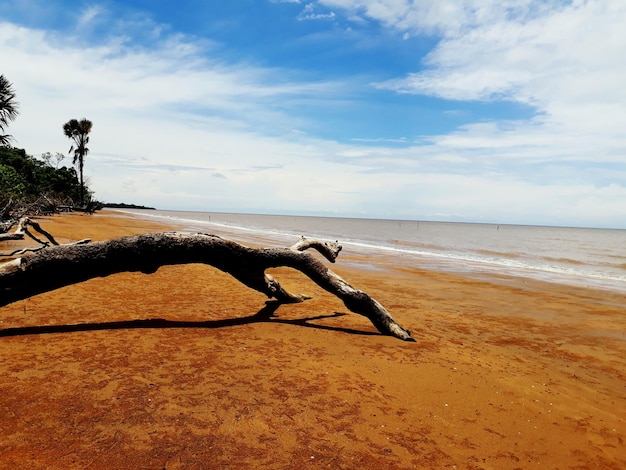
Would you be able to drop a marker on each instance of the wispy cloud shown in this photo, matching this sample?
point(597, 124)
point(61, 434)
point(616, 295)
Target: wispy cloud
point(174, 76)
point(401, 140)
point(311, 12)
point(88, 16)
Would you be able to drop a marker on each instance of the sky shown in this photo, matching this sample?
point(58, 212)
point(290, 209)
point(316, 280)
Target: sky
point(499, 111)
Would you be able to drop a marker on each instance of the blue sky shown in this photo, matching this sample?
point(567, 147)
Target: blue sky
point(483, 111)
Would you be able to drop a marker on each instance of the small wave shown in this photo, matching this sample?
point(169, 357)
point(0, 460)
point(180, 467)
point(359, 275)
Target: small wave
point(191, 221)
point(563, 260)
point(431, 246)
point(499, 254)
point(577, 262)
point(469, 263)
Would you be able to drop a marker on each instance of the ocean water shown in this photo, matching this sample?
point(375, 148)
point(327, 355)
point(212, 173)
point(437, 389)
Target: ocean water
point(575, 256)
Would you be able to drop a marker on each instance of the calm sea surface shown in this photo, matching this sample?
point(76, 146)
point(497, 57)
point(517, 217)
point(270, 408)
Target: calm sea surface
point(576, 256)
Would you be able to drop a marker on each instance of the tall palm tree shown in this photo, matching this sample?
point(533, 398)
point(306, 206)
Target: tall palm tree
point(8, 108)
point(79, 131)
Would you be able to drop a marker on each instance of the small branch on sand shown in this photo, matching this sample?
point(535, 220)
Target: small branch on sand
point(22, 230)
point(47, 269)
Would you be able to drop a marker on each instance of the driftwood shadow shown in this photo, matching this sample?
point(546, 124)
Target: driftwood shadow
point(265, 315)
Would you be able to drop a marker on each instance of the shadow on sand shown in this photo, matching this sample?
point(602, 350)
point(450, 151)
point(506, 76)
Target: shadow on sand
point(265, 315)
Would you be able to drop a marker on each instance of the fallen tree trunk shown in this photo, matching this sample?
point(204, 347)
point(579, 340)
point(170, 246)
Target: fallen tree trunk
point(58, 266)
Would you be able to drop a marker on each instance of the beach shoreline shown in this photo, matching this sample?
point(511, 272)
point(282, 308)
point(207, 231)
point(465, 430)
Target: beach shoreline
point(182, 369)
point(579, 257)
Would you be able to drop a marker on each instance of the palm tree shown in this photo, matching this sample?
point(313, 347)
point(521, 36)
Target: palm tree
point(8, 108)
point(78, 131)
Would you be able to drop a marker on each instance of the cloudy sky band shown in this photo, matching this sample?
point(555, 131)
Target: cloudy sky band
point(494, 111)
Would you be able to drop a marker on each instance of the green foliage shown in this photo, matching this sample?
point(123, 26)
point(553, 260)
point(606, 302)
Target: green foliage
point(12, 185)
point(26, 177)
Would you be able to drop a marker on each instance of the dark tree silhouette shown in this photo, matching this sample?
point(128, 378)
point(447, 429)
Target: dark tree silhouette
point(79, 131)
point(8, 108)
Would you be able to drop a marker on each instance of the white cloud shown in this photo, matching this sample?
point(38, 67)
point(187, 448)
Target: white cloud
point(88, 16)
point(556, 56)
point(171, 82)
point(310, 13)
point(443, 17)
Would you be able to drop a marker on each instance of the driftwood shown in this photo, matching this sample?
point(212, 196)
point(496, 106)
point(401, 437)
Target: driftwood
point(35, 272)
point(22, 229)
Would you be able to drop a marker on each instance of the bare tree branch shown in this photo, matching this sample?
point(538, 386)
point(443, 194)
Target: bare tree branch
point(22, 229)
point(58, 266)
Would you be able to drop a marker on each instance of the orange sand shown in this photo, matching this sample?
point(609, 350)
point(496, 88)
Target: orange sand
point(510, 374)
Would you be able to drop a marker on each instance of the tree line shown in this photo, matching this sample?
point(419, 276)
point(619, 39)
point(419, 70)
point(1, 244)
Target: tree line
point(29, 185)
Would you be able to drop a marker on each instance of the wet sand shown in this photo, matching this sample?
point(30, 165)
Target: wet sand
point(187, 369)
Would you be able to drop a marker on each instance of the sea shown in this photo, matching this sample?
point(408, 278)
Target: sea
point(585, 257)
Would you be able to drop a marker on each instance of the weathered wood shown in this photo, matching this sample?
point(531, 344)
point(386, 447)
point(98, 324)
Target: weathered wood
point(330, 250)
point(18, 233)
point(22, 230)
point(58, 266)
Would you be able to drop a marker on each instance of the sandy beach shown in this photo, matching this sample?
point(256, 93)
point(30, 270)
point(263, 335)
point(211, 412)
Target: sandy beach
point(187, 369)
